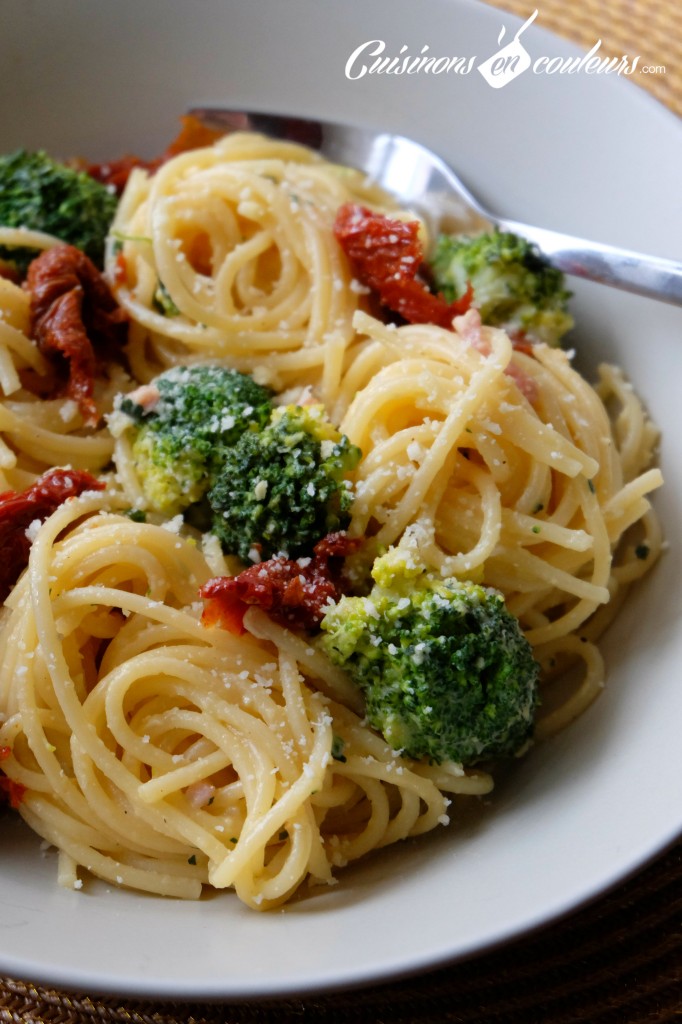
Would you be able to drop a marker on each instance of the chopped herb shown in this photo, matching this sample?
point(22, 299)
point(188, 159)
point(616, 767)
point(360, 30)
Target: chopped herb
point(233, 839)
point(642, 551)
point(163, 303)
point(192, 859)
point(283, 835)
point(120, 237)
point(590, 484)
point(136, 514)
point(337, 748)
point(535, 529)
point(538, 508)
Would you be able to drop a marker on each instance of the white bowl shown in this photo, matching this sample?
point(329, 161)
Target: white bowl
point(586, 153)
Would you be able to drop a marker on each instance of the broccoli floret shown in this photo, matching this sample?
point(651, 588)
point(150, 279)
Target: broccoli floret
point(446, 672)
point(514, 287)
point(183, 423)
point(37, 192)
point(284, 488)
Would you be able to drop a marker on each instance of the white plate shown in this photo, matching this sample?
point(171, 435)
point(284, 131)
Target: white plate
point(587, 153)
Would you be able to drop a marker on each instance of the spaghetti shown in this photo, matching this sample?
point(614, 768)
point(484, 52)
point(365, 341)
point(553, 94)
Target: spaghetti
point(36, 432)
point(162, 755)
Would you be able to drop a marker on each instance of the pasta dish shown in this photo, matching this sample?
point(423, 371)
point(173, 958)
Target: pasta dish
point(301, 540)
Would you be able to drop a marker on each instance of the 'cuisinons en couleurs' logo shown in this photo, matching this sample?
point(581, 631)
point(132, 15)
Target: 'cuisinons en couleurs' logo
point(502, 67)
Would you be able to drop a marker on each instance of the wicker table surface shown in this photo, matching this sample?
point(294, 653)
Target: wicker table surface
point(618, 961)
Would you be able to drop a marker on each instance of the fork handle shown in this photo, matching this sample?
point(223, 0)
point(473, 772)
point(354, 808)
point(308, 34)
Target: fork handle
point(621, 268)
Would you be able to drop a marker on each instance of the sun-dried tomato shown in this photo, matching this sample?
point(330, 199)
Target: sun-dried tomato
point(75, 320)
point(410, 299)
point(115, 173)
point(120, 269)
point(292, 592)
point(386, 256)
point(19, 509)
point(9, 272)
point(11, 791)
point(380, 247)
point(193, 134)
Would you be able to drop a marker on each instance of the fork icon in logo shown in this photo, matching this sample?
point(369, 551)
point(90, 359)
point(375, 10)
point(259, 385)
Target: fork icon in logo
point(509, 62)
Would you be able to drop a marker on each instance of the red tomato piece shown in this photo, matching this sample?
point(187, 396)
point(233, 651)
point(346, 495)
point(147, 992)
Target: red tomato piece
point(19, 509)
point(292, 592)
point(193, 134)
point(75, 320)
point(386, 255)
point(12, 791)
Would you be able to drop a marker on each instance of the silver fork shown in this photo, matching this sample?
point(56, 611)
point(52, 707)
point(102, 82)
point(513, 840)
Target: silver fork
point(421, 181)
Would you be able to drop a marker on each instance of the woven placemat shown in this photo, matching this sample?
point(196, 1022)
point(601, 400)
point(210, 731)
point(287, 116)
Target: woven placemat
point(618, 961)
point(648, 29)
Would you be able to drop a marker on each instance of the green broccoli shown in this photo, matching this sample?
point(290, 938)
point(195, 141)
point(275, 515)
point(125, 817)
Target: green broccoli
point(283, 488)
point(446, 672)
point(514, 287)
point(37, 192)
point(182, 423)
